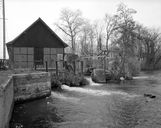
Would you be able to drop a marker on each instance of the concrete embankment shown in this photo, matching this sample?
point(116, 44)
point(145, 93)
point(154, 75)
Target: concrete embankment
point(31, 86)
point(6, 102)
point(22, 87)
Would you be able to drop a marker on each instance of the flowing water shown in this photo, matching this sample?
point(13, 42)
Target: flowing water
point(96, 106)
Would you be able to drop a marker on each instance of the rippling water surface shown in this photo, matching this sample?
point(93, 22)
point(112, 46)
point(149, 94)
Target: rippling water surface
point(96, 106)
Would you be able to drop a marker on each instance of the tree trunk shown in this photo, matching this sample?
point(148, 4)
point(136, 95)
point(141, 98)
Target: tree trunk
point(73, 44)
point(107, 38)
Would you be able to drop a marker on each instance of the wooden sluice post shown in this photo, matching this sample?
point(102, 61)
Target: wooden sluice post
point(56, 68)
point(81, 67)
point(46, 66)
point(74, 67)
point(104, 63)
point(35, 65)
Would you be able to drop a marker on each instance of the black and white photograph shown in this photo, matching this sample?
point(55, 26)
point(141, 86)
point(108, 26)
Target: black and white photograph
point(80, 63)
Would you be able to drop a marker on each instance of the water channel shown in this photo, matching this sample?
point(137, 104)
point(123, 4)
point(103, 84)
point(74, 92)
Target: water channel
point(96, 106)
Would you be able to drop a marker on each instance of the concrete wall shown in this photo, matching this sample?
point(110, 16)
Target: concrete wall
point(22, 87)
point(31, 86)
point(6, 102)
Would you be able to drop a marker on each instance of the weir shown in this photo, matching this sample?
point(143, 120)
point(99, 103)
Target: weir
point(86, 90)
point(96, 92)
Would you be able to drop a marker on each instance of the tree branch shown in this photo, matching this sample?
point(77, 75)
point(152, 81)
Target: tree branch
point(63, 30)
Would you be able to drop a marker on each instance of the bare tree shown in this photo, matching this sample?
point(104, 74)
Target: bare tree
point(98, 28)
point(125, 37)
point(92, 36)
point(70, 23)
point(111, 24)
point(87, 39)
point(151, 40)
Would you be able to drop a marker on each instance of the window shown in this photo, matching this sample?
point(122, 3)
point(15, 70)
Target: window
point(23, 57)
point(51, 55)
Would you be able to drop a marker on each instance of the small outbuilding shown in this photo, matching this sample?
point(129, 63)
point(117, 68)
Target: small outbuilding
point(36, 45)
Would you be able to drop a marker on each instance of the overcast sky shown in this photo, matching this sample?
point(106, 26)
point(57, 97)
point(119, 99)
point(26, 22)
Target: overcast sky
point(22, 13)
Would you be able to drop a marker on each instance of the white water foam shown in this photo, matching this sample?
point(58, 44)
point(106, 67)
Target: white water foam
point(63, 97)
point(91, 82)
point(85, 90)
point(141, 77)
point(95, 92)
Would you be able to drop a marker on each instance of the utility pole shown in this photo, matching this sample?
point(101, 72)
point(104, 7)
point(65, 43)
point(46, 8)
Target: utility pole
point(4, 30)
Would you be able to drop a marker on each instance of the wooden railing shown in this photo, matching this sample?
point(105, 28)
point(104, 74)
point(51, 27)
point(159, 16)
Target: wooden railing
point(60, 66)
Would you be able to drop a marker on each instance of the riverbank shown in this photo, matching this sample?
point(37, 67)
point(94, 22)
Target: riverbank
point(6, 101)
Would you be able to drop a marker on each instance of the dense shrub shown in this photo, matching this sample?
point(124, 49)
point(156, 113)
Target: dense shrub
point(55, 82)
point(71, 58)
point(130, 68)
point(115, 75)
point(115, 68)
point(134, 66)
point(69, 79)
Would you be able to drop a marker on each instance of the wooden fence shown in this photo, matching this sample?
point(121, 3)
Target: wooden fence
point(75, 67)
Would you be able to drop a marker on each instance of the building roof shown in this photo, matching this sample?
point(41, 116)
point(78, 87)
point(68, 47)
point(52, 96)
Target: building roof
point(38, 34)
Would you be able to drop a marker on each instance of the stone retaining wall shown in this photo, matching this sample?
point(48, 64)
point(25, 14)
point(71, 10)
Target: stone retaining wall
point(22, 87)
point(31, 86)
point(6, 102)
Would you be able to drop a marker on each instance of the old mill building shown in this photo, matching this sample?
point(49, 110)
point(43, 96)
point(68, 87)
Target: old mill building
point(37, 44)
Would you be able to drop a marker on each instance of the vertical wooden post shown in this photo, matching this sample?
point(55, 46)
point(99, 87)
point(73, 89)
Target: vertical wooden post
point(46, 64)
point(65, 64)
point(81, 67)
point(56, 68)
point(105, 63)
point(74, 67)
point(35, 66)
point(105, 68)
point(63, 58)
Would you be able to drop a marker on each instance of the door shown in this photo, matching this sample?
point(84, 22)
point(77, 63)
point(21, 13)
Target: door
point(38, 56)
